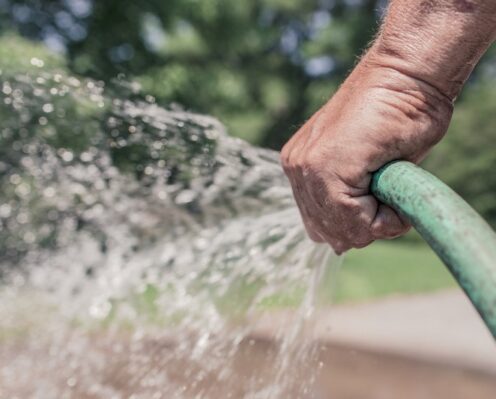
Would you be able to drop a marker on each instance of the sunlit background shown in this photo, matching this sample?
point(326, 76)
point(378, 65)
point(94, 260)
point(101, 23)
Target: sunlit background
point(261, 67)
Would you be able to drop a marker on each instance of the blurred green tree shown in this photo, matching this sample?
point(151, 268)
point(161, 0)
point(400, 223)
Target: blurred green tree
point(262, 66)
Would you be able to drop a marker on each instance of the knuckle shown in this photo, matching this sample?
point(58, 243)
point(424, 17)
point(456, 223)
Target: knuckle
point(339, 246)
point(292, 161)
point(284, 157)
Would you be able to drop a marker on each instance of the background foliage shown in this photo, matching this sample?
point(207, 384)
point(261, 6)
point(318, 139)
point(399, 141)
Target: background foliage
point(261, 66)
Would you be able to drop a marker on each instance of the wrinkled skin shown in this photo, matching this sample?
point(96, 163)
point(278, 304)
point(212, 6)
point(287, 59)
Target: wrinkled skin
point(396, 104)
point(378, 115)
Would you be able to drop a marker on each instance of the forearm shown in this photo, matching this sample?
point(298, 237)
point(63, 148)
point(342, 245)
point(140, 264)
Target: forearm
point(437, 42)
point(396, 104)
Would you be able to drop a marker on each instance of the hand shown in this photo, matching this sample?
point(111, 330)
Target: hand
point(378, 115)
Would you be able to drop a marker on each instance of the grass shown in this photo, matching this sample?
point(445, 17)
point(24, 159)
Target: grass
point(387, 268)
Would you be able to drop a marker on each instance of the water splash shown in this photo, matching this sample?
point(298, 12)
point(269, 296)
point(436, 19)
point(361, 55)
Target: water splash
point(136, 241)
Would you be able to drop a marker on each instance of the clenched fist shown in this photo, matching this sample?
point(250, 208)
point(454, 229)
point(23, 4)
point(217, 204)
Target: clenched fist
point(379, 114)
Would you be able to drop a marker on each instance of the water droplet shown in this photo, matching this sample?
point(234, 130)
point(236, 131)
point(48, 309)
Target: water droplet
point(6, 89)
point(49, 192)
point(67, 156)
point(5, 210)
point(71, 382)
point(185, 197)
point(47, 108)
point(100, 309)
point(37, 62)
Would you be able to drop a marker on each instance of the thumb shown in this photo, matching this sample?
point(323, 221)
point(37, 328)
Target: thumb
point(388, 223)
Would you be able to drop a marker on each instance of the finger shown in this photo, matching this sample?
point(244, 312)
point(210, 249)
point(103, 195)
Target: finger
point(388, 223)
point(314, 199)
point(338, 247)
point(310, 227)
point(341, 228)
point(359, 213)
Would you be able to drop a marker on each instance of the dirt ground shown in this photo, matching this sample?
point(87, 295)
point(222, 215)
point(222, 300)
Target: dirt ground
point(151, 368)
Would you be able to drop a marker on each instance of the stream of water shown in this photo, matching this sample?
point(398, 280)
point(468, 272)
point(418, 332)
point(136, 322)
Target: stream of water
point(138, 245)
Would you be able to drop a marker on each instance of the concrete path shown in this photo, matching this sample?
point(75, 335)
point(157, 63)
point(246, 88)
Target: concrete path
point(441, 328)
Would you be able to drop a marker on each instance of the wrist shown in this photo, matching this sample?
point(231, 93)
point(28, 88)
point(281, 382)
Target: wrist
point(406, 85)
point(407, 103)
point(439, 43)
point(406, 71)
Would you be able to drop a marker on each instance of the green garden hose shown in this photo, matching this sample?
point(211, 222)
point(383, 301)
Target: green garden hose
point(460, 237)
